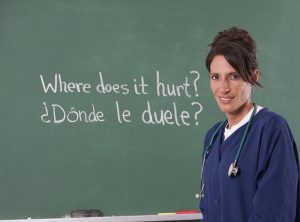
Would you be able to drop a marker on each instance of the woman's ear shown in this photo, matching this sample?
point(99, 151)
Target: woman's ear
point(255, 75)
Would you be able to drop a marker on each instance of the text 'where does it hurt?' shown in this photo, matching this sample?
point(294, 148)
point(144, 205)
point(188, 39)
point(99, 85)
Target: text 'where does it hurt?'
point(174, 114)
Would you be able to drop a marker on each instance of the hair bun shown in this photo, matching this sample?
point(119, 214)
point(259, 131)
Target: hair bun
point(236, 35)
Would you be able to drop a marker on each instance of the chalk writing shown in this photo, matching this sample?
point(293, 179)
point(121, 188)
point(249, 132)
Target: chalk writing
point(63, 87)
point(60, 114)
point(166, 89)
point(103, 87)
point(170, 113)
point(165, 117)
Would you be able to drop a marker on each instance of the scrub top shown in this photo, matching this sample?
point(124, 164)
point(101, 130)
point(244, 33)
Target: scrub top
point(267, 185)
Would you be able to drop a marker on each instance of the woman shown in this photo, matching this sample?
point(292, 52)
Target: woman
point(250, 164)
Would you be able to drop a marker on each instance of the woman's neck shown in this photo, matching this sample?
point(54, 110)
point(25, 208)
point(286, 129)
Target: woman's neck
point(238, 115)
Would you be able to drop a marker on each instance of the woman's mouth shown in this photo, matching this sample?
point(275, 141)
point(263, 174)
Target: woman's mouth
point(225, 99)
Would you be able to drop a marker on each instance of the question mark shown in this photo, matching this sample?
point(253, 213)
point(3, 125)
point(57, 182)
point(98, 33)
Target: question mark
point(195, 81)
point(199, 111)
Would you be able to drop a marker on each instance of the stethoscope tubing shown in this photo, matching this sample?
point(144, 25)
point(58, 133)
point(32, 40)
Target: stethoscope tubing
point(233, 169)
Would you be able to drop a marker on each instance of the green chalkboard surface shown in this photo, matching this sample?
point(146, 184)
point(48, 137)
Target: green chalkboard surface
point(104, 104)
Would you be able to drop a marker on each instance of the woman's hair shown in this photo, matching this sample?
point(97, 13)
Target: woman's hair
point(239, 49)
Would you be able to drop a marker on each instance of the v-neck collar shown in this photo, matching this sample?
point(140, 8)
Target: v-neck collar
point(228, 132)
point(223, 144)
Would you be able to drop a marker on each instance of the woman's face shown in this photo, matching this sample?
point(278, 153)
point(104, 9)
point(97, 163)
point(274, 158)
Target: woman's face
point(231, 92)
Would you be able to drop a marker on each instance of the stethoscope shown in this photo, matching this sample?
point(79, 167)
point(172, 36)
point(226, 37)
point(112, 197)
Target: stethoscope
point(233, 168)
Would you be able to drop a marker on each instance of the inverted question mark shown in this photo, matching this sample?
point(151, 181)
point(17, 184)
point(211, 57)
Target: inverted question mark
point(199, 111)
point(195, 81)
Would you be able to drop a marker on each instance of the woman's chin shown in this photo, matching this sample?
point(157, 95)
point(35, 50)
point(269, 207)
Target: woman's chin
point(226, 108)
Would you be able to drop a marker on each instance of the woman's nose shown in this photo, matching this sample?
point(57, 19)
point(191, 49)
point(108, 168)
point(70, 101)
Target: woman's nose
point(225, 86)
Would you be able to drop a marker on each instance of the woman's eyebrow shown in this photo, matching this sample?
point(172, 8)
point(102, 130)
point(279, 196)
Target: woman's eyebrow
point(230, 73)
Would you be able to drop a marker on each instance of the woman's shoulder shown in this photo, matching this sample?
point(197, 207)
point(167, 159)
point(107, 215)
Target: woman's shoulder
point(211, 131)
point(267, 117)
point(214, 128)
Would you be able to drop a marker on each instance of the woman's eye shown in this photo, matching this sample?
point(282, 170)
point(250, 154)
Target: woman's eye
point(214, 77)
point(234, 77)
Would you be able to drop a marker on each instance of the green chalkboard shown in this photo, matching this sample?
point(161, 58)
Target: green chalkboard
point(104, 104)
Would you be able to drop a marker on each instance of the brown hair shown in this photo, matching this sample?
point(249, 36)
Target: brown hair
point(239, 49)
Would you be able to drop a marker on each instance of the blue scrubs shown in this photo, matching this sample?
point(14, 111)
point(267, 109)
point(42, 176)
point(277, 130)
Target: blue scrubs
point(267, 186)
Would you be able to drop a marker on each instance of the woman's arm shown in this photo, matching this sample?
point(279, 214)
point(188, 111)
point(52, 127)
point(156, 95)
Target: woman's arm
point(277, 175)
